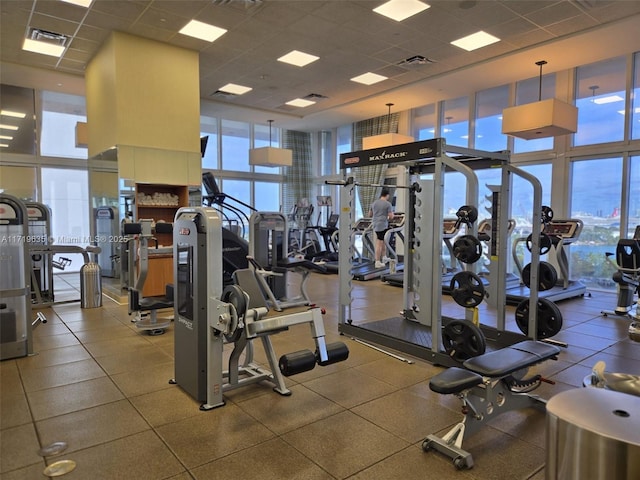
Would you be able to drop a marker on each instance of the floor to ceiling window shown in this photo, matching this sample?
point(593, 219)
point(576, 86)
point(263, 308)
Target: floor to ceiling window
point(596, 191)
point(529, 91)
point(66, 192)
point(455, 121)
point(488, 129)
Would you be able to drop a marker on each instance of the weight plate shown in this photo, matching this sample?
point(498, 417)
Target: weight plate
point(467, 249)
point(547, 214)
point(547, 276)
point(234, 295)
point(467, 214)
point(545, 243)
point(462, 340)
point(467, 289)
point(548, 318)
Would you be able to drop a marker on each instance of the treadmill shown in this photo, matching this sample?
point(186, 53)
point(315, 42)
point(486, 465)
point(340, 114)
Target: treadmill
point(565, 232)
point(361, 228)
point(369, 271)
point(449, 231)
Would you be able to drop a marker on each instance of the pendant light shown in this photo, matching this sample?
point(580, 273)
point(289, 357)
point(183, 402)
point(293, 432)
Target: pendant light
point(270, 156)
point(385, 139)
point(544, 118)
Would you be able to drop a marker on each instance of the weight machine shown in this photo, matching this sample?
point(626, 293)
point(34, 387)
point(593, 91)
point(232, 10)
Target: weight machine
point(419, 330)
point(41, 265)
point(16, 326)
point(208, 316)
point(145, 309)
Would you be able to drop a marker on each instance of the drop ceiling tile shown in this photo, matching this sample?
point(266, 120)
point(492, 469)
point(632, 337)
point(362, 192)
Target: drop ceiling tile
point(157, 18)
point(525, 7)
point(153, 33)
point(222, 16)
point(570, 25)
point(342, 12)
point(58, 9)
point(52, 24)
point(554, 13)
point(517, 26)
point(129, 10)
point(394, 54)
point(110, 22)
point(96, 35)
point(182, 8)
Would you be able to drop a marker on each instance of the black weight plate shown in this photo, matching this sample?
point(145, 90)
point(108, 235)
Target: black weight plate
point(547, 276)
point(462, 340)
point(549, 318)
point(467, 249)
point(545, 243)
point(467, 214)
point(547, 214)
point(467, 289)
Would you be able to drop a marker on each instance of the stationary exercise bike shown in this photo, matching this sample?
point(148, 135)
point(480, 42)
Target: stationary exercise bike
point(627, 278)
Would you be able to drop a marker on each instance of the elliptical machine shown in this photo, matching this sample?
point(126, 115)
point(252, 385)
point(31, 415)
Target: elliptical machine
point(627, 278)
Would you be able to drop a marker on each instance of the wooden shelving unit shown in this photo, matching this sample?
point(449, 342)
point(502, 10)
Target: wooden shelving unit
point(150, 200)
point(160, 203)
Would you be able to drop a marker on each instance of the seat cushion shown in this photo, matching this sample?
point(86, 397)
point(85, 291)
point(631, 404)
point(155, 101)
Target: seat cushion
point(454, 380)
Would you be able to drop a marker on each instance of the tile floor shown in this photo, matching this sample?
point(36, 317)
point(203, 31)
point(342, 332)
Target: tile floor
point(100, 385)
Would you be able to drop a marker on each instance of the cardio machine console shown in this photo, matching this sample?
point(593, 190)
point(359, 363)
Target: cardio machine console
point(397, 220)
point(362, 224)
point(567, 230)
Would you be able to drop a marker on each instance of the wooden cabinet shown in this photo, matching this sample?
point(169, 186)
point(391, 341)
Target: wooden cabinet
point(160, 274)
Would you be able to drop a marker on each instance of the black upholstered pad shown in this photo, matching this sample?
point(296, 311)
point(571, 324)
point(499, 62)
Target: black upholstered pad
point(155, 303)
point(291, 263)
point(511, 359)
point(454, 380)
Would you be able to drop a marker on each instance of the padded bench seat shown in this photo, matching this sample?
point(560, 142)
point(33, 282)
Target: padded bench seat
point(505, 361)
point(496, 364)
point(291, 263)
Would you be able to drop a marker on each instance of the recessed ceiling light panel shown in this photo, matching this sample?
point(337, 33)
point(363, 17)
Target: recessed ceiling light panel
point(9, 113)
point(202, 31)
point(399, 10)
point(8, 127)
point(300, 102)
point(475, 40)
point(608, 99)
point(80, 3)
point(297, 58)
point(235, 89)
point(369, 78)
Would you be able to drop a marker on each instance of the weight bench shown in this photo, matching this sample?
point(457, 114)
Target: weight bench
point(488, 386)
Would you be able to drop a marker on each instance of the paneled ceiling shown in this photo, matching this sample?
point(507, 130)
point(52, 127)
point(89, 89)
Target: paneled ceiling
point(349, 38)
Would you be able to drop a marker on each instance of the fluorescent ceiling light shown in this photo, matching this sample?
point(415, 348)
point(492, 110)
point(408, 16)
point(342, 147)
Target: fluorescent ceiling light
point(9, 113)
point(203, 31)
point(80, 3)
point(297, 58)
point(608, 99)
point(5, 137)
point(235, 89)
point(4, 145)
point(300, 102)
point(475, 40)
point(368, 78)
point(398, 10)
point(44, 48)
point(635, 110)
point(8, 127)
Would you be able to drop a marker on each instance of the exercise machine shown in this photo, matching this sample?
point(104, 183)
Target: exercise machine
point(209, 315)
point(16, 326)
point(488, 386)
point(235, 248)
point(106, 226)
point(419, 329)
point(361, 256)
point(369, 271)
point(145, 309)
point(627, 279)
point(268, 236)
point(41, 265)
point(556, 236)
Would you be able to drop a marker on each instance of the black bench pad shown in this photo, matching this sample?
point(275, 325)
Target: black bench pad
point(454, 380)
point(511, 359)
point(291, 263)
